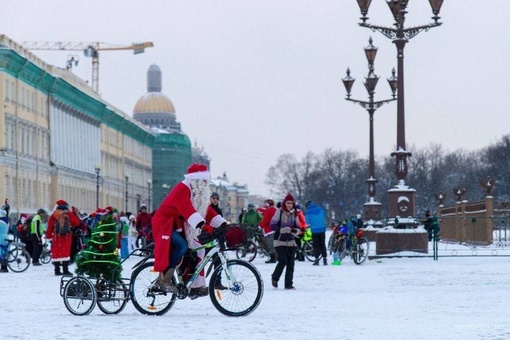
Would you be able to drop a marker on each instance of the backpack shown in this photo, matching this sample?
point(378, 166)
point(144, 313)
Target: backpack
point(62, 225)
point(24, 229)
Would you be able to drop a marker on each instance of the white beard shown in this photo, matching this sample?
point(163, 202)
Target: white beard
point(200, 199)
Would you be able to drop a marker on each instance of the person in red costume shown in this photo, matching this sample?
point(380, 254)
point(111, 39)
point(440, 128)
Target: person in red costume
point(268, 231)
point(178, 221)
point(61, 243)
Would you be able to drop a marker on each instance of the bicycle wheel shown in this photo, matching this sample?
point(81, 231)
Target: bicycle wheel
point(245, 289)
point(18, 260)
point(79, 296)
point(360, 251)
point(45, 257)
point(308, 251)
point(247, 252)
point(112, 297)
point(146, 300)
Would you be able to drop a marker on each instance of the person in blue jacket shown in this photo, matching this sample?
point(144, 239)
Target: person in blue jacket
point(316, 218)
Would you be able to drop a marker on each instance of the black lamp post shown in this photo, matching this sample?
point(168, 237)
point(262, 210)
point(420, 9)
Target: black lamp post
point(400, 36)
point(98, 170)
point(149, 208)
point(371, 106)
point(127, 192)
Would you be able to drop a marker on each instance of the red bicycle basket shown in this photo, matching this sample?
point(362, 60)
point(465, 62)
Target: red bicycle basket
point(235, 236)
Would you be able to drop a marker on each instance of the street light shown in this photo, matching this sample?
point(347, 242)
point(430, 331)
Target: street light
point(98, 170)
point(127, 187)
point(149, 208)
point(371, 106)
point(400, 35)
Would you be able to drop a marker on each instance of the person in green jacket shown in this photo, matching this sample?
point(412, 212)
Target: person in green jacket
point(36, 233)
point(251, 221)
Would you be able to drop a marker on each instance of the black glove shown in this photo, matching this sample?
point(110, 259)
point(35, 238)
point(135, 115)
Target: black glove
point(200, 225)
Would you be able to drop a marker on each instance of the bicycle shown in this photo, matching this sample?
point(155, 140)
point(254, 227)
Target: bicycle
point(306, 248)
point(356, 246)
point(16, 256)
point(45, 257)
point(244, 283)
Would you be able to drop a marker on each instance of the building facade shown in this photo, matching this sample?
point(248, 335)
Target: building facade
point(62, 141)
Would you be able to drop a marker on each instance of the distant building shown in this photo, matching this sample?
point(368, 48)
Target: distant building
point(171, 152)
point(233, 197)
point(198, 155)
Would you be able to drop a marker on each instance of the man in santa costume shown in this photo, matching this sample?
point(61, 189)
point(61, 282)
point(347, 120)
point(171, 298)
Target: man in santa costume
point(61, 243)
point(180, 218)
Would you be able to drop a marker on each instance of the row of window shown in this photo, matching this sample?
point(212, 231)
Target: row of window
point(29, 139)
point(26, 96)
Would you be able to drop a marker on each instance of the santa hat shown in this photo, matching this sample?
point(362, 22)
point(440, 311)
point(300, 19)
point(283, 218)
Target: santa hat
point(197, 171)
point(24, 215)
point(61, 202)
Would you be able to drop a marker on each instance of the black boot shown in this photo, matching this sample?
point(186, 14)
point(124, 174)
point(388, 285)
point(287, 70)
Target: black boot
point(57, 268)
point(272, 258)
point(316, 262)
point(65, 266)
point(4, 268)
point(325, 261)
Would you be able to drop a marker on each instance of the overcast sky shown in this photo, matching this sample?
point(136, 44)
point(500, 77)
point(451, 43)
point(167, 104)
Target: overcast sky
point(251, 80)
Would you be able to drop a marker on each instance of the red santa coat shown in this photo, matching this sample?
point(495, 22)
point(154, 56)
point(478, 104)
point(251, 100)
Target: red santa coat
point(61, 244)
point(176, 210)
point(266, 220)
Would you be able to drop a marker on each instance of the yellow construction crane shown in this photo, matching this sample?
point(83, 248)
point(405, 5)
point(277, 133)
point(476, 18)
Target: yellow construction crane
point(90, 49)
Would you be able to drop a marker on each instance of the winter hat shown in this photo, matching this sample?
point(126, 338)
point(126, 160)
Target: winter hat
point(269, 202)
point(289, 197)
point(197, 171)
point(23, 216)
point(61, 202)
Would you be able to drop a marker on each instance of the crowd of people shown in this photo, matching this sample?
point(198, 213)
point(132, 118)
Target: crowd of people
point(66, 229)
point(186, 218)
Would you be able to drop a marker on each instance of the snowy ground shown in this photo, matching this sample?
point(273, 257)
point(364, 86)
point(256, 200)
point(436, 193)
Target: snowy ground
point(400, 298)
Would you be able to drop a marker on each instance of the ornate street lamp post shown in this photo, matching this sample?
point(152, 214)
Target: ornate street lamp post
point(401, 197)
point(98, 170)
point(372, 208)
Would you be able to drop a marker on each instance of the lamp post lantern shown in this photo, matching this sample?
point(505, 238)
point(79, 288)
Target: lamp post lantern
point(149, 208)
point(127, 192)
point(372, 208)
point(98, 170)
point(400, 35)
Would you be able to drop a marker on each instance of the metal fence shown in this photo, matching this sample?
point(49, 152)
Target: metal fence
point(456, 237)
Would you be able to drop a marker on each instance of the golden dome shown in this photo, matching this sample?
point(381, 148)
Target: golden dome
point(154, 102)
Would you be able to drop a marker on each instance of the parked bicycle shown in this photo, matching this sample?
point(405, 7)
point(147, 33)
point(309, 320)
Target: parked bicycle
point(243, 281)
point(46, 253)
point(306, 249)
point(16, 256)
point(356, 246)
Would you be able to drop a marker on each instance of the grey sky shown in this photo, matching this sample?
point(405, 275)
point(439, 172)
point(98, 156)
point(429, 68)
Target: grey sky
point(251, 80)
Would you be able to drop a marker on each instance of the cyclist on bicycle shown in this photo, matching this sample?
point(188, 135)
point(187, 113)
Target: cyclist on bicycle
point(143, 223)
point(186, 205)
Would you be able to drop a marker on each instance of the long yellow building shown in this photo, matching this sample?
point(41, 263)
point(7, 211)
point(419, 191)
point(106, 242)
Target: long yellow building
point(61, 140)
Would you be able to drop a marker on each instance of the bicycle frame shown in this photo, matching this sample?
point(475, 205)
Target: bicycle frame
point(214, 244)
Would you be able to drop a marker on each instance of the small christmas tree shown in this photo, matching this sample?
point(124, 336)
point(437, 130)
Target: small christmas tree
point(100, 258)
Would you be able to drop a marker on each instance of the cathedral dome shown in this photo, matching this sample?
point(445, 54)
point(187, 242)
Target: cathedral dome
point(154, 102)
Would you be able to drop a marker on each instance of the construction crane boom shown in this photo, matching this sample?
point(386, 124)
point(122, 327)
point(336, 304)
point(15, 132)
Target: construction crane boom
point(90, 49)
